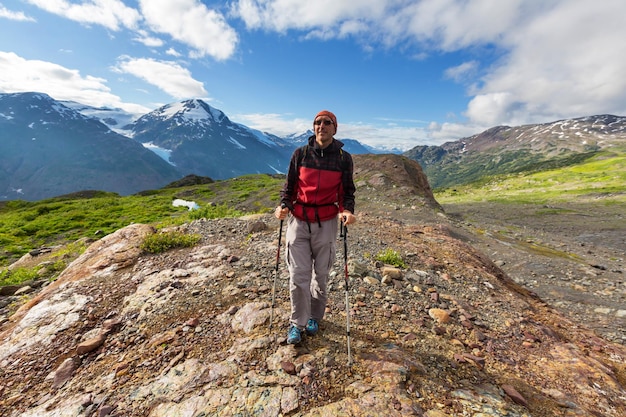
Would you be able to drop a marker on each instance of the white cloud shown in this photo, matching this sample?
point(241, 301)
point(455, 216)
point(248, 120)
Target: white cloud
point(22, 75)
point(450, 25)
point(391, 135)
point(8, 14)
point(112, 14)
point(558, 58)
point(144, 38)
point(192, 23)
point(566, 62)
point(173, 52)
point(166, 75)
point(490, 109)
point(387, 136)
point(439, 133)
point(278, 124)
point(463, 72)
point(282, 15)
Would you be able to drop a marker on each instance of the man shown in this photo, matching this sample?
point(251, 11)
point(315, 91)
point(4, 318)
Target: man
point(319, 187)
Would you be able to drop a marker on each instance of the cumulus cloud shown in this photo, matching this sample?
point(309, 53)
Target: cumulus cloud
point(557, 59)
point(144, 37)
point(168, 76)
point(112, 14)
point(283, 15)
point(463, 72)
point(450, 25)
point(404, 133)
point(23, 75)
point(565, 62)
point(205, 31)
point(439, 133)
point(12, 15)
point(191, 22)
point(173, 52)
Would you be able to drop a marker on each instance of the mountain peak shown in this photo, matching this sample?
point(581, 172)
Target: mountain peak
point(37, 106)
point(193, 110)
point(51, 149)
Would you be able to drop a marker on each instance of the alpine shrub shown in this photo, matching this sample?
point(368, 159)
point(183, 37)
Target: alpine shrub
point(161, 242)
point(391, 257)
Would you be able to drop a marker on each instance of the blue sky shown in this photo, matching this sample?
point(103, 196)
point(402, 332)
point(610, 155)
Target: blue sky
point(397, 73)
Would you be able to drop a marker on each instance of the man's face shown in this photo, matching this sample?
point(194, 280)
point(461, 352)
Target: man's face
point(324, 130)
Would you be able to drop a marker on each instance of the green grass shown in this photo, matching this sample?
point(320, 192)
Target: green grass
point(161, 242)
point(28, 225)
point(52, 268)
point(17, 276)
point(391, 257)
point(601, 177)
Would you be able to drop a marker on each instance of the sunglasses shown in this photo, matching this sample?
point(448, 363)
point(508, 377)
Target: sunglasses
point(324, 122)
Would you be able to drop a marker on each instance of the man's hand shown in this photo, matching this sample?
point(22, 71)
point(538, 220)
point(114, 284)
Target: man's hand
point(347, 217)
point(281, 212)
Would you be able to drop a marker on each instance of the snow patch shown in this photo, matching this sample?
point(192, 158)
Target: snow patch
point(262, 137)
point(184, 203)
point(163, 153)
point(237, 144)
point(191, 114)
point(276, 170)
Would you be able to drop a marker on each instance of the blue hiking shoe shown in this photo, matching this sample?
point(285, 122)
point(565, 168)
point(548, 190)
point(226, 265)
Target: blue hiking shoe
point(294, 336)
point(311, 327)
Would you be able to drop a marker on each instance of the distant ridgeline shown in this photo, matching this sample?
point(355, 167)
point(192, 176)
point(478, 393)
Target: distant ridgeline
point(50, 148)
point(504, 150)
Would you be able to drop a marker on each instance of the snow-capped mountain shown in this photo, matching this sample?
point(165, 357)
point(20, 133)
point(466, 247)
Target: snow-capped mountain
point(350, 145)
point(49, 149)
point(175, 140)
point(202, 140)
point(114, 118)
point(126, 123)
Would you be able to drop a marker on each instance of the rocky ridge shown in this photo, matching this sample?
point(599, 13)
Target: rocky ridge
point(186, 332)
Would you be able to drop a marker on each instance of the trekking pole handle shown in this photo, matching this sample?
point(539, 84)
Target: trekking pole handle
point(344, 229)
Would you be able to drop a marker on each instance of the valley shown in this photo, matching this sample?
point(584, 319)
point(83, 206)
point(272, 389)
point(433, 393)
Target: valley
point(572, 254)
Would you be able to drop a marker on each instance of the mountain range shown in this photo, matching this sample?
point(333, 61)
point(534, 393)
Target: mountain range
point(50, 148)
point(506, 150)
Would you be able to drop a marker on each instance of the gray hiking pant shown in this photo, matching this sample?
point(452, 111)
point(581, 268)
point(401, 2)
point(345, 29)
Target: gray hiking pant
point(310, 255)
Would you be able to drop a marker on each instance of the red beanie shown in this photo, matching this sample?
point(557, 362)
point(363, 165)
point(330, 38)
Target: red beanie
point(329, 115)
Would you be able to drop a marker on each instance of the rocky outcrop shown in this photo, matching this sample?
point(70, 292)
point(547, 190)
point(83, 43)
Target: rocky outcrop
point(185, 333)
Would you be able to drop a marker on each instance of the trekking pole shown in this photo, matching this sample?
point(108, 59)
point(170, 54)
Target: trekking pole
point(344, 234)
point(280, 235)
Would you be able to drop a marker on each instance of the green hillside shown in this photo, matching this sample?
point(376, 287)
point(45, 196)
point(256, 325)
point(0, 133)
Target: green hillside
point(92, 214)
point(602, 177)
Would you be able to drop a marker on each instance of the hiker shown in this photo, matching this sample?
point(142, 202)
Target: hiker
point(319, 188)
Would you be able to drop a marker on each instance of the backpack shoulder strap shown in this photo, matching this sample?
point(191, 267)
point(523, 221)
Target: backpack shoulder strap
point(302, 153)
